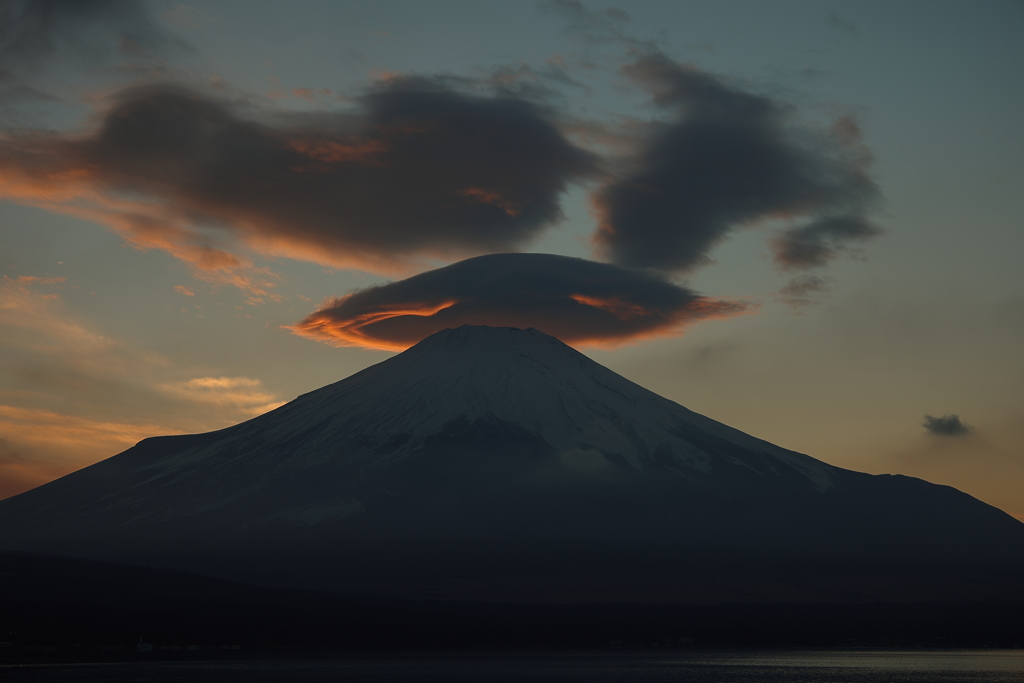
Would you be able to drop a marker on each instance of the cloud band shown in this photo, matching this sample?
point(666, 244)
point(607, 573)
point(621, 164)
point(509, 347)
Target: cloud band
point(576, 300)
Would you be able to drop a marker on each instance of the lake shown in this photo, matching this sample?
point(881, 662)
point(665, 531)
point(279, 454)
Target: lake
point(692, 666)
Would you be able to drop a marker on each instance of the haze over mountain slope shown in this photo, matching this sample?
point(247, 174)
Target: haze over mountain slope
point(484, 452)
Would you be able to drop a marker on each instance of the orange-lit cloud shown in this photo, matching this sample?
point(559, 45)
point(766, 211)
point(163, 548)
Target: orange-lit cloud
point(243, 393)
point(417, 170)
point(53, 174)
point(31, 279)
point(358, 329)
point(30, 318)
point(576, 300)
point(71, 395)
point(37, 446)
point(46, 428)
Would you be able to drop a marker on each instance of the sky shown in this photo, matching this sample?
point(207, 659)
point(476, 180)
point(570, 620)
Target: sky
point(802, 219)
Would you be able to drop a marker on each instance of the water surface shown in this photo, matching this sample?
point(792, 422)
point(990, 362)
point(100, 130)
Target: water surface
point(889, 666)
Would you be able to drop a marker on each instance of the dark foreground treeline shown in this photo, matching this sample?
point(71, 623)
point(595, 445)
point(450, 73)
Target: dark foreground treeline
point(57, 605)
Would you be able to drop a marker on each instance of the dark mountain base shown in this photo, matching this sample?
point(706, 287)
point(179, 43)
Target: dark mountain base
point(55, 606)
point(500, 465)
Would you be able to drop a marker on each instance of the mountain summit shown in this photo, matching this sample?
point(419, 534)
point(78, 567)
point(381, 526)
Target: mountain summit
point(484, 452)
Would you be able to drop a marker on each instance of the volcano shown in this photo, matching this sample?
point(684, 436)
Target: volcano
point(496, 452)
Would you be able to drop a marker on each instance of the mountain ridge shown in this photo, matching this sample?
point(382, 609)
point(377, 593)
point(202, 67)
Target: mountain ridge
point(493, 451)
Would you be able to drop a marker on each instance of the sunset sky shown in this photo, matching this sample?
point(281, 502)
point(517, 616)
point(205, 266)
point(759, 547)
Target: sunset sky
point(802, 219)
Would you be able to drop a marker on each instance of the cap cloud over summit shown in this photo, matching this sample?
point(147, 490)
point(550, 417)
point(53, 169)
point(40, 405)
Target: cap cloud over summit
point(576, 300)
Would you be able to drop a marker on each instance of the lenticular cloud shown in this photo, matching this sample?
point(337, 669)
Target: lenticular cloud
point(576, 300)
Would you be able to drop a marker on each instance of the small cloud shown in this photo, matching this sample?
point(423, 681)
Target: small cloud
point(241, 393)
point(837, 21)
point(816, 244)
point(947, 425)
point(799, 291)
point(182, 289)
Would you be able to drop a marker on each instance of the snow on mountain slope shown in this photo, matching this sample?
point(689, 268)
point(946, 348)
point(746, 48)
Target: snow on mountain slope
point(522, 377)
point(488, 450)
point(303, 463)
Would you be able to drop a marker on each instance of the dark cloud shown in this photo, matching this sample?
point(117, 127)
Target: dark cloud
point(576, 300)
point(801, 290)
point(947, 425)
point(724, 158)
point(41, 40)
point(815, 244)
point(34, 30)
point(419, 168)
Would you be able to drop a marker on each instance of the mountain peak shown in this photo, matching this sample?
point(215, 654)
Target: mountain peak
point(493, 340)
point(504, 446)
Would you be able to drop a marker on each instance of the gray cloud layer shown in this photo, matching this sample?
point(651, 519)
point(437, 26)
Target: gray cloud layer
point(418, 168)
point(573, 299)
point(724, 159)
point(432, 168)
point(32, 30)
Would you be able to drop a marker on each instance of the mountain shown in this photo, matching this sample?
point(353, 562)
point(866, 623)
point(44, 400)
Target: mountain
point(489, 462)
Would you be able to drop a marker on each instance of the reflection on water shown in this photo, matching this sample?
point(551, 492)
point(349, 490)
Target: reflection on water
point(982, 666)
